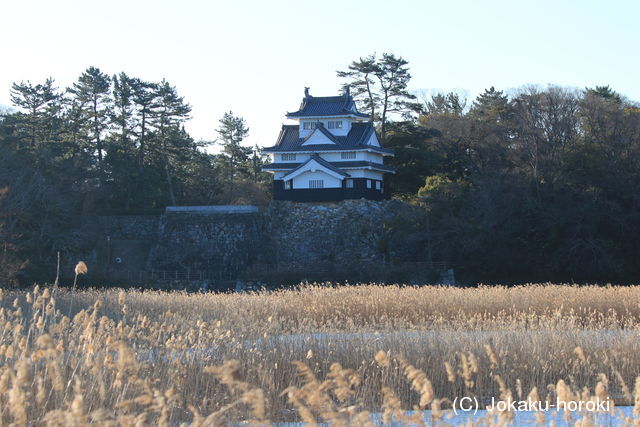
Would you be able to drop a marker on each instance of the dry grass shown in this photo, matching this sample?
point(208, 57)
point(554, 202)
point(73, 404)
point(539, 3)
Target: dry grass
point(316, 353)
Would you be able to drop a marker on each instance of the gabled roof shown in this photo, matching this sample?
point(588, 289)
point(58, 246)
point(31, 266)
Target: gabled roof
point(322, 162)
point(314, 106)
point(321, 129)
point(357, 138)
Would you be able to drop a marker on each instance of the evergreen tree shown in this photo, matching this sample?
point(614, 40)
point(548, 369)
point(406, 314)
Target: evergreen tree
point(258, 159)
point(492, 105)
point(167, 120)
point(123, 113)
point(145, 100)
point(450, 103)
point(605, 92)
point(234, 158)
point(121, 153)
point(93, 100)
point(381, 85)
point(362, 82)
point(490, 139)
point(393, 77)
point(42, 107)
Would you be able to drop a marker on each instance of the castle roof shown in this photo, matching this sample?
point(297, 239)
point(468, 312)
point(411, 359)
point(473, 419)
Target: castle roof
point(317, 106)
point(355, 164)
point(357, 138)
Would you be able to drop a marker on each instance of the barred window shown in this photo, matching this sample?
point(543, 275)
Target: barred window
point(349, 183)
point(287, 185)
point(288, 157)
point(308, 125)
point(335, 124)
point(348, 155)
point(316, 183)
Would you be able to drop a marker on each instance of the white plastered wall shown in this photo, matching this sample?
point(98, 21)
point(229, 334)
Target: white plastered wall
point(302, 181)
point(346, 126)
point(365, 173)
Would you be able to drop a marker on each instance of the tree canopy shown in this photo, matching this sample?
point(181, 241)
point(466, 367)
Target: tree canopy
point(380, 86)
point(540, 184)
point(106, 145)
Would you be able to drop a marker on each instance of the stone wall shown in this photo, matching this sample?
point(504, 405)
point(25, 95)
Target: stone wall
point(282, 233)
point(208, 241)
point(352, 230)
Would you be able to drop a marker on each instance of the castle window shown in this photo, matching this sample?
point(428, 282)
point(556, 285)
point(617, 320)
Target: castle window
point(316, 183)
point(287, 185)
point(369, 183)
point(288, 157)
point(349, 183)
point(348, 155)
point(378, 185)
point(308, 125)
point(335, 124)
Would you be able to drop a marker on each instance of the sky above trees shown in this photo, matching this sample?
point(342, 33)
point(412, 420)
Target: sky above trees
point(255, 58)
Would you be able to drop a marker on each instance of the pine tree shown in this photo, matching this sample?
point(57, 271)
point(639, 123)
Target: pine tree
point(258, 159)
point(234, 157)
point(123, 113)
point(492, 105)
point(605, 92)
point(381, 87)
point(493, 120)
point(362, 82)
point(393, 77)
point(42, 107)
point(145, 100)
point(92, 97)
point(450, 103)
point(167, 119)
point(121, 152)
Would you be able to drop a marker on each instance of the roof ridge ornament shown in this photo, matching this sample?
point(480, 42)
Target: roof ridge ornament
point(347, 90)
point(306, 92)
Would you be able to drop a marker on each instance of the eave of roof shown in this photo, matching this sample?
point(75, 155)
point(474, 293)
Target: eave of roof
point(326, 148)
point(301, 114)
point(356, 140)
point(313, 106)
point(357, 164)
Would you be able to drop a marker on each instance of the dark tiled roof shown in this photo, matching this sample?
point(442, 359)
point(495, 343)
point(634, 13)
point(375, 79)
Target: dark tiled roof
point(289, 140)
point(363, 163)
point(323, 162)
point(342, 165)
point(313, 106)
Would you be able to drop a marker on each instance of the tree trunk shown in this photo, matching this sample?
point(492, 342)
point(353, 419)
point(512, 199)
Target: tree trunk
point(383, 118)
point(141, 148)
point(371, 103)
point(167, 172)
point(96, 130)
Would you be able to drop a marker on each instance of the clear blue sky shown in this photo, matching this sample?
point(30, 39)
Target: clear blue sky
point(255, 57)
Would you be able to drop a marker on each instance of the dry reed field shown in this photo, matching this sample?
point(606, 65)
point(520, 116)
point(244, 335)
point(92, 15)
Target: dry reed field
point(344, 355)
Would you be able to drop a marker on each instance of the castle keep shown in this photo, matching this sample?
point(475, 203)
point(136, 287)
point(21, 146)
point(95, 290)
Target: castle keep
point(332, 154)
